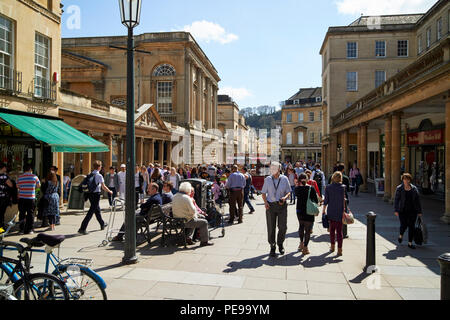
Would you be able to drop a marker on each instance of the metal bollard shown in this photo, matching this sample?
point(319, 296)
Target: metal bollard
point(370, 246)
point(444, 261)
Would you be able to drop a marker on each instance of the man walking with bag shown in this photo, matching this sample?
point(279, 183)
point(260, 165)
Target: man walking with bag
point(275, 192)
point(95, 184)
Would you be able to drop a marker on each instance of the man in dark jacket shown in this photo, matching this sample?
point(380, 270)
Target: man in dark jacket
point(154, 199)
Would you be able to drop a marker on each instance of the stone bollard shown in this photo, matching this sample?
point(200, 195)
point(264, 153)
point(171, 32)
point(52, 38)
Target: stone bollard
point(370, 244)
point(444, 261)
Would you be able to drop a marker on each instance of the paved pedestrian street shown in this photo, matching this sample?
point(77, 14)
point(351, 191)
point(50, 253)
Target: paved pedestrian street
point(238, 266)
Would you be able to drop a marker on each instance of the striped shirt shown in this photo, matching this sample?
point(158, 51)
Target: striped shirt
point(27, 184)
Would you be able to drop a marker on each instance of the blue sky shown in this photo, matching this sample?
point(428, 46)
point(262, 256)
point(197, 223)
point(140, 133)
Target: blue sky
point(263, 50)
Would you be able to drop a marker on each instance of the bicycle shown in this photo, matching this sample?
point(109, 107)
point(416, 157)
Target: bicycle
point(26, 285)
point(80, 281)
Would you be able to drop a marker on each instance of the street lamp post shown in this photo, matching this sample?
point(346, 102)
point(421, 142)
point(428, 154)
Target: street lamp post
point(130, 11)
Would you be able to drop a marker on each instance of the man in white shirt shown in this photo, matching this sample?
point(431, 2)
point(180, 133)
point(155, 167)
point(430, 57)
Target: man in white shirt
point(122, 175)
point(183, 207)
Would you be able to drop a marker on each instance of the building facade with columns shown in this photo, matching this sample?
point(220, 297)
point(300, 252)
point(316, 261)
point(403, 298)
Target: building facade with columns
point(403, 125)
point(301, 126)
point(172, 73)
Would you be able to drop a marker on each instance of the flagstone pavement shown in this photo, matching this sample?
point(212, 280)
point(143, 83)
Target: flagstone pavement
point(238, 266)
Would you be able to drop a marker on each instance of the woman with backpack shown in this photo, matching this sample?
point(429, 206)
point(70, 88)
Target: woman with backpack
point(304, 192)
point(51, 196)
point(407, 208)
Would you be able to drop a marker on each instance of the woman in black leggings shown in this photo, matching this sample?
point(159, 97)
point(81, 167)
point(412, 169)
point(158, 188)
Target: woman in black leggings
point(407, 208)
point(305, 220)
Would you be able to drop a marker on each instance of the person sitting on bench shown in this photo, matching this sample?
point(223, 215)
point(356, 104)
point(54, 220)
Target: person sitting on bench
point(155, 199)
point(183, 207)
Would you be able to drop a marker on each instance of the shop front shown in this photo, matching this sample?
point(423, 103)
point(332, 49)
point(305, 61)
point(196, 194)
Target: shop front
point(427, 160)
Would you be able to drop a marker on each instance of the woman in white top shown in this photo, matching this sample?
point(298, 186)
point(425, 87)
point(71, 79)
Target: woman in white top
point(122, 175)
point(175, 178)
point(146, 176)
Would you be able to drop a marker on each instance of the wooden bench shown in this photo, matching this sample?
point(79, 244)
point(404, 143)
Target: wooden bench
point(143, 222)
point(172, 227)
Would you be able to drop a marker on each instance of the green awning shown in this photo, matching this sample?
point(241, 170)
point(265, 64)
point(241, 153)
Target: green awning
point(58, 134)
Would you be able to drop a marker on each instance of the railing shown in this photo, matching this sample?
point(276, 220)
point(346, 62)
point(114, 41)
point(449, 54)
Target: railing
point(44, 89)
point(10, 80)
point(171, 118)
point(418, 68)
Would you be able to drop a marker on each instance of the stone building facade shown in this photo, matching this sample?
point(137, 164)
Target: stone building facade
point(301, 126)
point(403, 123)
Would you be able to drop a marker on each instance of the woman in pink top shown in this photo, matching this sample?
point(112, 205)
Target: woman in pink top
point(354, 179)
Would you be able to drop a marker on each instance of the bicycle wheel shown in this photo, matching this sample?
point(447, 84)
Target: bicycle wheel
point(83, 286)
point(41, 286)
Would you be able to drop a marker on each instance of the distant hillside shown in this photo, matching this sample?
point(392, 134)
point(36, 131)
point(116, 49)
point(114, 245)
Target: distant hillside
point(264, 117)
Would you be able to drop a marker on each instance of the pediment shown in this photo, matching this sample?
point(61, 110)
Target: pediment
point(148, 116)
point(71, 60)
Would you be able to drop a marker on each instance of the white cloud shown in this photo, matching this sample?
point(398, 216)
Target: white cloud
point(383, 7)
point(236, 93)
point(209, 31)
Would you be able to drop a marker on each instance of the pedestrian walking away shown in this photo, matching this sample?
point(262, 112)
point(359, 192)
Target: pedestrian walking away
point(407, 208)
point(275, 192)
point(248, 184)
point(112, 181)
point(236, 184)
point(95, 184)
point(333, 207)
point(27, 183)
point(303, 192)
point(51, 197)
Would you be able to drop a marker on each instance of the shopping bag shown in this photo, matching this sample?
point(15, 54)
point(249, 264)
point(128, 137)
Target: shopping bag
point(418, 235)
point(325, 222)
point(424, 231)
point(312, 208)
point(348, 218)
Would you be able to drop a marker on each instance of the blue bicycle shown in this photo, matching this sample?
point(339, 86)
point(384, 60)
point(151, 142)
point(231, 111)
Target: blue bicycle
point(81, 281)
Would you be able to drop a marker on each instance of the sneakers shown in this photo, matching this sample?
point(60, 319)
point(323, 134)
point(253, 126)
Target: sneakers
point(272, 251)
point(83, 232)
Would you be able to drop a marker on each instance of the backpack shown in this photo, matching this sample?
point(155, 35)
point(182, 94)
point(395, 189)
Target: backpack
point(318, 178)
point(88, 185)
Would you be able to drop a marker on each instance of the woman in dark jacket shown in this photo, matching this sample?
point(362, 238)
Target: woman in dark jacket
point(335, 202)
point(305, 220)
point(407, 208)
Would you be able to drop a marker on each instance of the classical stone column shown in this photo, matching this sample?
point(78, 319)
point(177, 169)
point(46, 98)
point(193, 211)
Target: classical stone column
point(407, 153)
point(364, 166)
point(139, 150)
point(446, 217)
point(161, 152)
point(87, 157)
point(108, 155)
point(77, 164)
point(151, 150)
point(198, 113)
point(188, 91)
point(358, 146)
point(119, 152)
point(169, 153)
point(387, 157)
point(345, 149)
point(396, 153)
point(333, 151)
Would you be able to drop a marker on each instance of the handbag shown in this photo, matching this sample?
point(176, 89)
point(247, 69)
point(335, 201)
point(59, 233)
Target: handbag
point(347, 218)
point(424, 231)
point(325, 222)
point(418, 235)
point(312, 208)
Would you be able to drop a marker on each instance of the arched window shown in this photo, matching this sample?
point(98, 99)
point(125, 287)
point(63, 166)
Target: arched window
point(164, 70)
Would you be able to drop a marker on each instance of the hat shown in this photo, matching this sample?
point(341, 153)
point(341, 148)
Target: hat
point(123, 166)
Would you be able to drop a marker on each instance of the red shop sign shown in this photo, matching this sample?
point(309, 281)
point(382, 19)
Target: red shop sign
point(426, 137)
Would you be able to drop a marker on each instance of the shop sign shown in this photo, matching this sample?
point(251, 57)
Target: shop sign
point(426, 137)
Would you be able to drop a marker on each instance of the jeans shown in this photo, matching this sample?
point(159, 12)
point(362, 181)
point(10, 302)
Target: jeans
point(276, 212)
point(336, 230)
point(4, 203)
point(304, 230)
point(247, 201)
point(26, 214)
point(292, 194)
point(407, 221)
point(94, 199)
point(112, 196)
